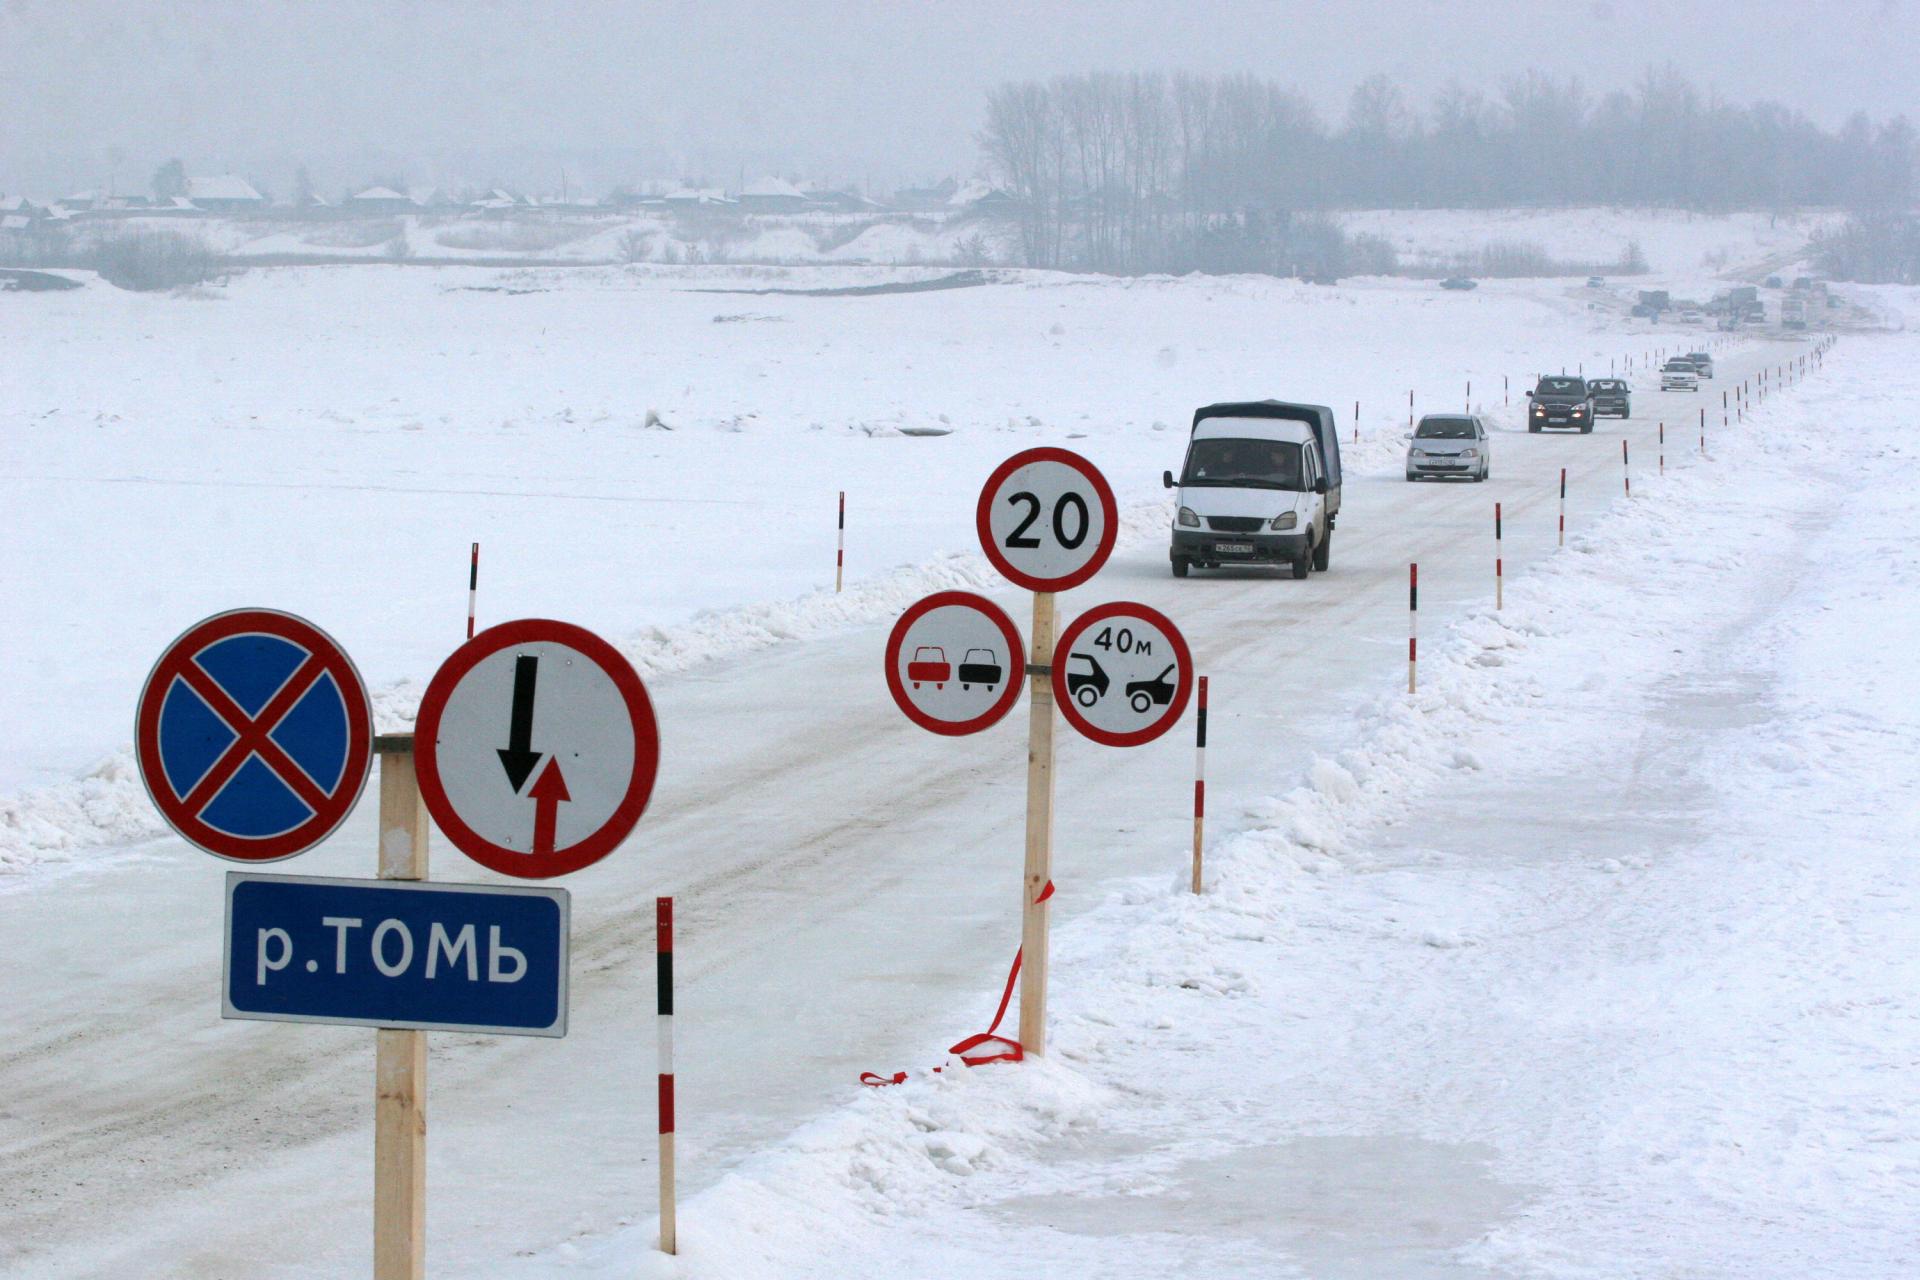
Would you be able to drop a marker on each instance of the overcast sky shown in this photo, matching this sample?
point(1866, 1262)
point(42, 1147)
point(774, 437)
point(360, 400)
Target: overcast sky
point(887, 90)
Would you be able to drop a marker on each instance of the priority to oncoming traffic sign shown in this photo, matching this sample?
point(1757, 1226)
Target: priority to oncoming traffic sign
point(396, 953)
point(253, 735)
point(536, 748)
point(955, 663)
point(1122, 674)
point(1047, 519)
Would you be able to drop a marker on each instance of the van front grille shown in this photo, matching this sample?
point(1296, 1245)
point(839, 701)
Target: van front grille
point(1235, 524)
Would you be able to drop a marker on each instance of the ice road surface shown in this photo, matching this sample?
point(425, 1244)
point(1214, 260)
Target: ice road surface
point(1590, 959)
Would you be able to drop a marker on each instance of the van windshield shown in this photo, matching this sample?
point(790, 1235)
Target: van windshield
point(1244, 464)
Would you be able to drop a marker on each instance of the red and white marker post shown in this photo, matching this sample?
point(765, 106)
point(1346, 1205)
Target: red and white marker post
point(1199, 780)
point(1469, 408)
point(1499, 567)
point(1356, 422)
point(840, 550)
point(473, 587)
point(1626, 471)
point(1563, 506)
point(1663, 448)
point(1703, 433)
point(1413, 626)
point(663, 982)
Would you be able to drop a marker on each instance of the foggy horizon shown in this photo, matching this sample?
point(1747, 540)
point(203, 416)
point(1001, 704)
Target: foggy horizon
point(860, 94)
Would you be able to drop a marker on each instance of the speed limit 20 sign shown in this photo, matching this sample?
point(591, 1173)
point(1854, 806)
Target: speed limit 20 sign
point(1047, 519)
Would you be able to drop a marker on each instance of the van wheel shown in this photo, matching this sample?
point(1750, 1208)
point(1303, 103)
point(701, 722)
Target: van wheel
point(1303, 565)
point(1180, 565)
point(1323, 553)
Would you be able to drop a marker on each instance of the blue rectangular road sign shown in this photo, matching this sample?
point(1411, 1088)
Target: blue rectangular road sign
point(396, 953)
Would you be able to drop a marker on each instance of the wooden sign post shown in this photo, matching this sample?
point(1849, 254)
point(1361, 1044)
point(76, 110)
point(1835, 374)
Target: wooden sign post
point(400, 1057)
point(1034, 913)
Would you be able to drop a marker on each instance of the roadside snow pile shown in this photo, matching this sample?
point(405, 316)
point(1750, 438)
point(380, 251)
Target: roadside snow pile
point(48, 824)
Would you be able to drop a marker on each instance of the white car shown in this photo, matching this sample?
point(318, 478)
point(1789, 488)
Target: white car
point(1679, 375)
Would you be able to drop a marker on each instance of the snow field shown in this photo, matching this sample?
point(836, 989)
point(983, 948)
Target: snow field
point(376, 421)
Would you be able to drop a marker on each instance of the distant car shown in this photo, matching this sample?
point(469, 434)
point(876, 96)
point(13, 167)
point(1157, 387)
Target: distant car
point(1594, 282)
point(1702, 363)
point(1459, 282)
point(930, 666)
point(1611, 396)
point(1144, 695)
point(1678, 374)
point(1644, 311)
point(1773, 282)
point(1449, 444)
point(980, 666)
point(1560, 402)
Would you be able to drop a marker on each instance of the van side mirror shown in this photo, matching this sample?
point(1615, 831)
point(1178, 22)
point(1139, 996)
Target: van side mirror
point(1166, 479)
point(1319, 484)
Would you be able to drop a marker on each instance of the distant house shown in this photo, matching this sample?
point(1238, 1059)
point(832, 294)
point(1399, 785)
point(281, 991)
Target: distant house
point(934, 197)
point(772, 195)
point(693, 198)
point(79, 201)
point(20, 207)
point(432, 198)
point(978, 196)
point(380, 200)
point(226, 194)
point(840, 202)
point(15, 222)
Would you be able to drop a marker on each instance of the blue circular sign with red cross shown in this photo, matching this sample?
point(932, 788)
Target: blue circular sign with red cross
point(254, 735)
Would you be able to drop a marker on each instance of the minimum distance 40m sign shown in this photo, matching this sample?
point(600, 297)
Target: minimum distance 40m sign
point(1122, 674)
point(537, 748)
point(254, 735)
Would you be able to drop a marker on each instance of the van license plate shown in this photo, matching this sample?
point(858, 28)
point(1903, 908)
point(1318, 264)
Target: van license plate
point(1233, 548)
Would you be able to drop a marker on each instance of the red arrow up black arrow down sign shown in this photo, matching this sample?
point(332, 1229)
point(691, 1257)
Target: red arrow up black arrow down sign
point(518, 757)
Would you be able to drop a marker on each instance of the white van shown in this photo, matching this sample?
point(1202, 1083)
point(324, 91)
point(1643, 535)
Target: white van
point(1259, 486)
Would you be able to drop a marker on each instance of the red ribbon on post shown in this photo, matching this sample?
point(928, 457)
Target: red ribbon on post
point(1010, 1051)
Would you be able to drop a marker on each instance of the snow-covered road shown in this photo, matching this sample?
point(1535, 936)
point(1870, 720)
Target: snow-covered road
point(846, 885)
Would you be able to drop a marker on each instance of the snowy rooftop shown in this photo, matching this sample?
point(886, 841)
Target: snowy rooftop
point(226, 187)
point(774, 187)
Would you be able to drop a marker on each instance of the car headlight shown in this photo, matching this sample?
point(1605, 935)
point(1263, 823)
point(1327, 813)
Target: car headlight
point(1539, 411)
point(1416, 453)
point(1579, 409)
point(1469, 453)
point(1285, 520)
point(1188, 519)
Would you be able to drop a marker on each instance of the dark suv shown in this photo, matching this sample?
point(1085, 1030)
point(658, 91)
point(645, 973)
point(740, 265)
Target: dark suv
point(1611, 395)
point(1560, 402)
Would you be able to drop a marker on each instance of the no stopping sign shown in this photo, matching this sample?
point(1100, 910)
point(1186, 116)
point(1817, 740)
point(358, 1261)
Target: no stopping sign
point(1122, 674)
point(1047, 519)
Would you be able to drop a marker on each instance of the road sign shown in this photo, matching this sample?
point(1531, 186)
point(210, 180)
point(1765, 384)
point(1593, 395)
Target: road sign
point(1047, 519)
point(1122, 674)
point(536, 747)
point(396, 953)
point(253, 735)
point(955, 663)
